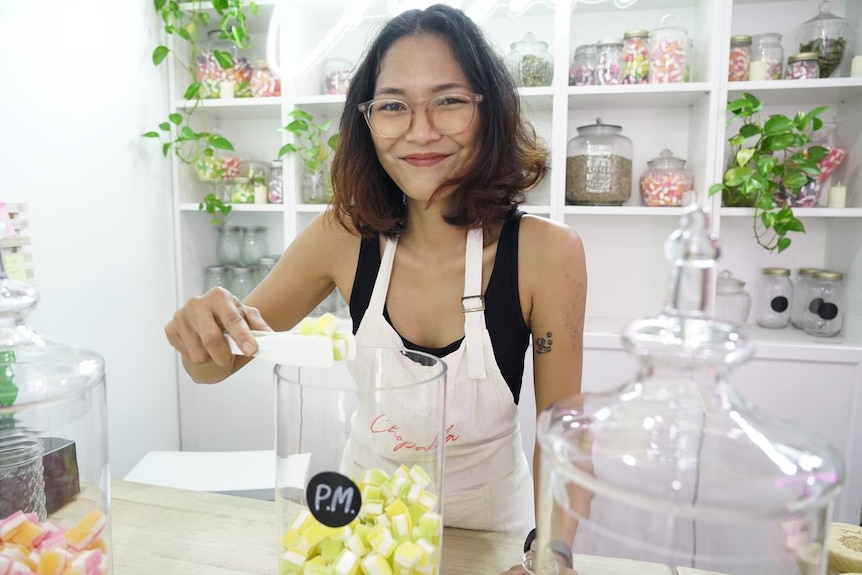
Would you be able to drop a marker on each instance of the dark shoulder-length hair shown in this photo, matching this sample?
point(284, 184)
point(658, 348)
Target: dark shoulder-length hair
point(511, 158)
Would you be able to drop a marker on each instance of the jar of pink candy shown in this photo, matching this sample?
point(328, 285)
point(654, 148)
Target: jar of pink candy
point(54, 476)
point(668, 53)
point(665, 181)
point(275, 182)
point(336, 75)
point(264, 83)
point(740, 58)
point(609, 62)
point(802, 66)
point(583, 70)
point(636, 57)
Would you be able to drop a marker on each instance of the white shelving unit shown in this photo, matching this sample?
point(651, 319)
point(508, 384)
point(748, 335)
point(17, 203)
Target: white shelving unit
point(627, 271)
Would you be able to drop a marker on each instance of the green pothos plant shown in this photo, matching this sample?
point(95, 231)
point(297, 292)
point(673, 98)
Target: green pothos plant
point(184, 22)
point(770, 163)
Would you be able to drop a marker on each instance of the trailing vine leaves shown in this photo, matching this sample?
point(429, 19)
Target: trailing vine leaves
point(770, 164)
point(308, 140)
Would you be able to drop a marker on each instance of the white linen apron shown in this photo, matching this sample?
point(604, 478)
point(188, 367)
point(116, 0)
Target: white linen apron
point(487, 483)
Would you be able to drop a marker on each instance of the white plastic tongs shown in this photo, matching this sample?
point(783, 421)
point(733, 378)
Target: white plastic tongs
point(308, 346)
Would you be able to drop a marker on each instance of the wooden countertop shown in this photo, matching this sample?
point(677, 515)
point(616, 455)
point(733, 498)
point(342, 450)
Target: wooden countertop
point(179, 532)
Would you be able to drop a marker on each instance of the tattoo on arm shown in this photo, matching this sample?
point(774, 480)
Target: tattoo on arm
point(543, 344)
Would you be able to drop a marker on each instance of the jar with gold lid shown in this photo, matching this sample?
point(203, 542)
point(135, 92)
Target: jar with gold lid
point(823, 315)
point(774, 298)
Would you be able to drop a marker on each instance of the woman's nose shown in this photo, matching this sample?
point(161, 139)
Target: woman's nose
point(421, 129)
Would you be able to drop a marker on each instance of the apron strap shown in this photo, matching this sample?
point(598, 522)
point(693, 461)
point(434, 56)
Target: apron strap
point(381, 283)
point(473, 305)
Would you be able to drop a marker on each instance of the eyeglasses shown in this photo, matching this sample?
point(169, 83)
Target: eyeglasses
point(448, 114)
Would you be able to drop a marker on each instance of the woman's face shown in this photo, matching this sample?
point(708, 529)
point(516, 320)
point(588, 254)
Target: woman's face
point(414, 70)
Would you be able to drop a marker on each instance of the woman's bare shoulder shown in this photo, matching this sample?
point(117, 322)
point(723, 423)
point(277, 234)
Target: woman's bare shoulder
point(546, 239)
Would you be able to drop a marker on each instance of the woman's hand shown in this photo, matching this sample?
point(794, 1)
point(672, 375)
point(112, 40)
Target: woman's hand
point(197, 329)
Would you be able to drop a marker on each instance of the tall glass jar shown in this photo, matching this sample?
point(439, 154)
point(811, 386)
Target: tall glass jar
point(673, 466)
point(223, 70)
point(229, 245)
point(774, 298)
point(828, 36)
point(336, 75)
point(530, 62)
point(599, 166)
point(665, 181)
point(668, 51)
point(254, 245)
point(767, 57)
point(824, 313)
point(583, 70)
point(732, 302)
point(802, 66)
point(275, 182)
point(216, 276)
point(242, 281)
point(800, 295)
point(740, 58)
point(636, 57)
point(609, 62)
point(264, 83)
point(54, 474)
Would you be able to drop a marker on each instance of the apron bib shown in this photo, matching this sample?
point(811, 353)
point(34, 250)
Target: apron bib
point(487, 481)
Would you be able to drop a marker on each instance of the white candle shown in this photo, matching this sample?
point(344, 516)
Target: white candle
point(837, 196)
point(856, 67)
point(225, 90)
point(757, 71)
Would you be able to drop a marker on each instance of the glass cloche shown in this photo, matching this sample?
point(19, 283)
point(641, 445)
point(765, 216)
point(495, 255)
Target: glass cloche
point(829, 36)
point(673, 467)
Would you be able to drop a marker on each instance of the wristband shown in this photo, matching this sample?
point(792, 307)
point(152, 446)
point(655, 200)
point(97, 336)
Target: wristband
point(556, 546)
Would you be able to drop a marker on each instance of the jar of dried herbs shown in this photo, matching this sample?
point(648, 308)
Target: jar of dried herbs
point(530, 62)
point(827, 35)
point(599, 166)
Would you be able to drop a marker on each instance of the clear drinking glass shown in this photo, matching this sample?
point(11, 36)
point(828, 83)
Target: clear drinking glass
point(359, 477)
point(673, 472)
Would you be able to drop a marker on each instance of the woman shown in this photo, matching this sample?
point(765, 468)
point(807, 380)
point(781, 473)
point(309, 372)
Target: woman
point(433, 162)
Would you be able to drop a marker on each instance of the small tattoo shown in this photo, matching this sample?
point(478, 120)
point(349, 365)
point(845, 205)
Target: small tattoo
point(543, 344)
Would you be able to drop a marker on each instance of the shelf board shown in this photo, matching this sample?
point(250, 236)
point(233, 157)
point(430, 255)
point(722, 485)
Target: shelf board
point(801, 212)
point(623, 211)
point(262, 208)
point(638, 96)
point(237, 108)
point(799, 92)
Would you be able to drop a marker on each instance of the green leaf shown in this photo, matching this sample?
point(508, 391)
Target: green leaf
point(253, 7)
point(783, 243)
point(165, 127)
point(297, 127)
point(286, 149)
point(159, 4)
point(177, 119)
point(768, 219)
point(737, 140)
point(817, 153)
point(301, 114)
point(737, 176)
point(224, 59)
point(794, 225)
point(166, 147)
point(795, 179)
point(743, 156)
point(765, 164)
point(749, 130)
point(333, 141)
point(159, 54)
point(150, 135)
point(715, 189)
point(777, 125)
point(188, 133)
point(737, 105)
point(764, 202)
point(184, 34)
point(192, 91)
point(219, 142)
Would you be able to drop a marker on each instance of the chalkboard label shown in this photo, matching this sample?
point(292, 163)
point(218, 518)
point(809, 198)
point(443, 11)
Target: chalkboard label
point(333, 499)
point(779, 304)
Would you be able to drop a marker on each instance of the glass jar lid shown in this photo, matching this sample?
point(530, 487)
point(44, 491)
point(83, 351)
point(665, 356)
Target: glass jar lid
point(768, 37)
point(828, 275)
point(666, 160)
point(585, 50)
point(636, 33)
point(529, 44)
point(776, 271)
point(275, 164)
point(825, 17)
point(726, 283)
point(610, 42)
point(740, 39)
point(809, 271)
point(803, 56)
point(599, 128)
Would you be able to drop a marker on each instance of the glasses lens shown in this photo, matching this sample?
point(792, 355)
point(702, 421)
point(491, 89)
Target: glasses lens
point(452, 114)
point(389, 118)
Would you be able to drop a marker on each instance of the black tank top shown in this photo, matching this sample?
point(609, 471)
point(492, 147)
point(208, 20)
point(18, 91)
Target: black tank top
point(509, 334)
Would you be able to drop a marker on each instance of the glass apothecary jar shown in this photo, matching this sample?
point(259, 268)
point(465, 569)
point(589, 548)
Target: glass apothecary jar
point(54, 474)
point(802, 66)
point(275, 182)
point(254, 245)
point(609, 62)
point(828, 36)
point(732, 302)
point(774, 298)
point(229, 245)
point(216, 276)
point(636, 57)
point(668, 62)
point(767, 57)
point(673, 467)
point(264, 82)
point(337, 73)
point(599, 166)
point(530, 62)
point(666, 181)
point(583, 70)
point(740, 59)
point(823, 315)
point(223, 70)
point(800, 295)
point(242, 281)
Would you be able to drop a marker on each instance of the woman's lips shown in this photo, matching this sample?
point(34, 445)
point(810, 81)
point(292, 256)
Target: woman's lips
point(424, 160)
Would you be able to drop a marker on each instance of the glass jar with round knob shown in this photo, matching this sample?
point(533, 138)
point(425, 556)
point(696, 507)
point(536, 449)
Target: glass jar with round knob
point(827, 35)
point(732, 302)
point(774, 297)
point(530, 62)
point(254, 245)
point(229, 245)
point(824, 313)
point(599, 166)
point(665, 181)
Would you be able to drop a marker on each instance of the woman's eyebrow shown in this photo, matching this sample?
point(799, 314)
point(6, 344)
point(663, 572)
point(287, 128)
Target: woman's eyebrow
point(392, 91)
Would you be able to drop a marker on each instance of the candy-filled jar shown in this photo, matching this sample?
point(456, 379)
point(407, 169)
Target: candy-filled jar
point(740, 58)
point(275, 182)
point(530, 62)
point(609, 62)
point(599, 166)
point(264, 83)
point(802, 66)
point(223, 69)
point(636, 57)
point(668, 53)
point(583, 69)
point(665, 181)
point(827, 35)
point(337, 73)
point(54, 474)
point(673, 466)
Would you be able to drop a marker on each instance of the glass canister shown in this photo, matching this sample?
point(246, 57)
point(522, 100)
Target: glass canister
point(740, 58)
point(223, 70)
point(264, 83)
point(254, 245)
point(359, 476)
point(675, 468)
point(242, 281)
point(275, 182)
point(583, 70)
point(665, 181)
point(257, 174)
point(229, 245)
point(54, 473)
point(732, 302)
point(241, 191)
point(599, 166)
point(530, 62)
point(216, 276)
point(668, 48)
point(828, 36)
point(767, 57)
point(636, 57)
point(823, 315)
point(609, 62)
point(336, 75)
point(802, 66)
point(774, 298)
point(800, 295)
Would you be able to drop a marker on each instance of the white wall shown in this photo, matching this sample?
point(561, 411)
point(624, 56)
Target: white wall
point(77, 88)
